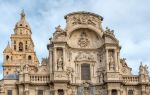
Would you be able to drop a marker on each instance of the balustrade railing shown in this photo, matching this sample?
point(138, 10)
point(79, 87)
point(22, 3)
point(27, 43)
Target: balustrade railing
point(129, 79)
point(39, 78)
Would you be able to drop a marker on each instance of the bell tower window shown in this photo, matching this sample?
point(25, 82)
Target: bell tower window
point(26, 46)
point(7, 57)
point(85, 71)
point(14, 45)
point(20, 46)
point(29, 57)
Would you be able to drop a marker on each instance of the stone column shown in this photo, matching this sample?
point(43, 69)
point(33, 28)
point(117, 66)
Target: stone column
point(50, 58)
point(64, 59)
point(65, 91)
point(56, 92)
point(107, 67)
point(118, 61)
point(116, 65)
point(50, 61)
point(55, 59)
point(21, 90)
point(119, 92)
point(26, 90)
point(109, 92)
point(79, 68)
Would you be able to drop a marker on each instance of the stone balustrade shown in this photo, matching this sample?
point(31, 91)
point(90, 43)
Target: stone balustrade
point(39, 78)
point(130, 79)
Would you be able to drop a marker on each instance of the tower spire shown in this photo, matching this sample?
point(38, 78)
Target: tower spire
point(22, 14)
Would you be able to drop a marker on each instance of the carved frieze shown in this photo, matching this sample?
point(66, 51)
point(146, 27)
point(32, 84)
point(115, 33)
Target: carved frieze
point(83, 18)
point(60, 75)
point(83, 56)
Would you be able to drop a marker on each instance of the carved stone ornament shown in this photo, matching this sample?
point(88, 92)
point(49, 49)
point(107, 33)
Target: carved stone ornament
point(60, 64)
point(84, 19)
point(83, 41)
point(82, 56)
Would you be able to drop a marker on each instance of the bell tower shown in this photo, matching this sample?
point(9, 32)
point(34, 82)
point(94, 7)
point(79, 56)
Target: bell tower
point(21, 49)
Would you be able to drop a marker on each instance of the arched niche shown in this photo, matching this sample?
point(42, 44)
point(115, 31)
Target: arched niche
point(85, 38)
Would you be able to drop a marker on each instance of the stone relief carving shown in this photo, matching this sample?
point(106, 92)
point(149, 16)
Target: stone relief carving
point(82, 56)
point(83, 41)
point(113, 75)
point(69, 73)
point(60, 63)
point(84, 19)
point(143, 69)
point(60, 75)
point(60, 38)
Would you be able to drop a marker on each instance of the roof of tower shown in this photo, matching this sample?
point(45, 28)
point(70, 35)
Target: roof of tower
point(22, 22)
point(7, 49)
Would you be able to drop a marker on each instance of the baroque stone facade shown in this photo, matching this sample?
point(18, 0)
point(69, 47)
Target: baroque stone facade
point(84, 59)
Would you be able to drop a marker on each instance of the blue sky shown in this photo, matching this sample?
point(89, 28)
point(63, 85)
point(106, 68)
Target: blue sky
point(130, 19)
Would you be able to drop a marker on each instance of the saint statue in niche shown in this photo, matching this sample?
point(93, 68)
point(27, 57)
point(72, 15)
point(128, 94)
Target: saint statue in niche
point(60, 64)
point(111, 62)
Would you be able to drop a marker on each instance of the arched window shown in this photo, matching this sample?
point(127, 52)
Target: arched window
point(29, 57)
point(20, 46)
point(7, 57)
point(130, 92)
point(114, 92)
point(85, 71)
point(26, 46)
point(14, 45)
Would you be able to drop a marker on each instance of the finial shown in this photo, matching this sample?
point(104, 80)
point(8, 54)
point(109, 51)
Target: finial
point(58, 28)
point(22, 14)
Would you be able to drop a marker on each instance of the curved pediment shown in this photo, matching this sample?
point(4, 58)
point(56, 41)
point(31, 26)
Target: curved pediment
point(85, 39)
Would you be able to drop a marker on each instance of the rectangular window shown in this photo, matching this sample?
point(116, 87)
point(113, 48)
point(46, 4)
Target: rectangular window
point(85, 72)
point(9, 92)
point(40, 92)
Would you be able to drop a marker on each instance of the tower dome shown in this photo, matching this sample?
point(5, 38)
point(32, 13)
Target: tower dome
point(22, 23)
point(22, 26)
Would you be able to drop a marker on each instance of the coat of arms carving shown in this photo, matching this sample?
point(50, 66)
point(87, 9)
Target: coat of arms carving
point(83, 41)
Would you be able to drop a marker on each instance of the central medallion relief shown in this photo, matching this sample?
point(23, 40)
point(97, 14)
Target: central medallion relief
point(83, 41)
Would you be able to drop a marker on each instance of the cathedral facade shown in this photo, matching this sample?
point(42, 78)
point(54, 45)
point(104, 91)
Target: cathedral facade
point(84, 59)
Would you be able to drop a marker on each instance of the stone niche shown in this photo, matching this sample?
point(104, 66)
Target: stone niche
point(84, 38)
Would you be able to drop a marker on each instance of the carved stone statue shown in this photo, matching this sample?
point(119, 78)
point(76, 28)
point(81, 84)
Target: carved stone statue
point(111, 63)
point(142, 69)
point(26, 68)
point(60, 64)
